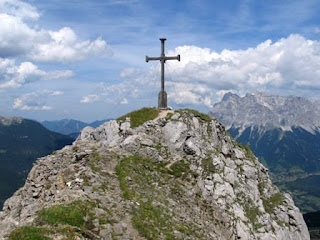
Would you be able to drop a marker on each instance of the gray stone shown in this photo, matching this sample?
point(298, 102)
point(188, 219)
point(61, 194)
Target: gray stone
point(213, 196)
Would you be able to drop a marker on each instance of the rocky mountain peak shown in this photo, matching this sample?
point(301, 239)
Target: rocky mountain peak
point(267, 111)
point(175, 176)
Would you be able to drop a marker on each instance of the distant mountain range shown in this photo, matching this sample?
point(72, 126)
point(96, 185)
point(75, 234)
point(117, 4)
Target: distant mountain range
point(70, 127)
point(22, 141)
point(283, 131)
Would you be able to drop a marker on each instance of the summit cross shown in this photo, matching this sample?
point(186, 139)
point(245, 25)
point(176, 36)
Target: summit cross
point(162, 97)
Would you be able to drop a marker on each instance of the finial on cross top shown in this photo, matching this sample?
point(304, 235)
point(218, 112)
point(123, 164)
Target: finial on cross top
point(162, 97)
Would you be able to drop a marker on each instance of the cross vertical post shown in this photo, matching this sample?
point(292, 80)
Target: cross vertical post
point(162, 97)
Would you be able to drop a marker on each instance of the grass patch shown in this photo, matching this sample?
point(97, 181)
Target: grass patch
point(139, 179)
point(30, 233)
point(76, 214)
point(273, 202)
point(169, 116)
point(202, 116)
point(151, 221)
point(208, 167)
point(94, 159)
point(180, 168)
point(252, 213)
point(139, 117)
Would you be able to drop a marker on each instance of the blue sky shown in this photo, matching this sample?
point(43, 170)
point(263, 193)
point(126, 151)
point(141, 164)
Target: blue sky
point(86, 59)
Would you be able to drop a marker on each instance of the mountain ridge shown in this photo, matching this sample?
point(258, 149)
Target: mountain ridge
point(268, 111)
point(283, 132)
point(177, 177)
point(22, 141)
point(70, 126)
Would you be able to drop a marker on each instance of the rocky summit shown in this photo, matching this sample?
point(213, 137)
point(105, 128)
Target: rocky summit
point(176, 176)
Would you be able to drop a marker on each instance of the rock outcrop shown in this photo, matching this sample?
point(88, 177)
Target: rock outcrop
point(177, 177)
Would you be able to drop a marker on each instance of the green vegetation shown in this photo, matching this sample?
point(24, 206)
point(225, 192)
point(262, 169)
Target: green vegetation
point(69, 220)
point(138, 179)
point(20, 145)
point(30, 233)
point(72, 214)
point(313, 221)
point(252, 213)
point(180, 168)
point(169, 115)
point(94, 159)
point(141, 116)
point(248, 152)
point(273, 202)
point(208, 167)
point(305, 192)
point(202, 116)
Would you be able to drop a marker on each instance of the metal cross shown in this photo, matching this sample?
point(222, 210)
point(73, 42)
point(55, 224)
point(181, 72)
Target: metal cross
point(162, 97)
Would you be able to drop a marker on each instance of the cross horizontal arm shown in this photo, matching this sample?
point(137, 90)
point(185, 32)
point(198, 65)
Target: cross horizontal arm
point(163, 58)
point(173, 58)
point(152, 58)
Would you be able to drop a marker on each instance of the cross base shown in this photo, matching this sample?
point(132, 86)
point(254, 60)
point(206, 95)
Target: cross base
point(162, 99)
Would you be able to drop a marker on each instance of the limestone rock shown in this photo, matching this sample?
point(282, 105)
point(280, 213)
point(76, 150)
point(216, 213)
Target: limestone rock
point(198, 181)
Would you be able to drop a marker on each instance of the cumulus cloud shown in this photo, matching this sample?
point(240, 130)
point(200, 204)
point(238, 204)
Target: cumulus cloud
point(18, 38)
point(35, 101)
point(90, 98)
point(64, 46)
point(14, 76)
point(289, 65)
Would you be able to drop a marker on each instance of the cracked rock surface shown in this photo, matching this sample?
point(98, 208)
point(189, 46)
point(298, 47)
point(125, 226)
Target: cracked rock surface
point(180, 177)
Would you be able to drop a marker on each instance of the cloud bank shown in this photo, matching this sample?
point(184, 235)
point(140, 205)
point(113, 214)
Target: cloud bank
point(289, 65)
point(15, 76)
point(35, 101)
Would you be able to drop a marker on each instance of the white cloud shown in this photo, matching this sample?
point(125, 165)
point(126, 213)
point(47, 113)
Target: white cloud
point(19, 9)
point(90, 98)
point(130, 72)
point(57, 93)
point(288, 65)
point(18, 38)
point(34, 101)
point(64, 46)
point(14, 76)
